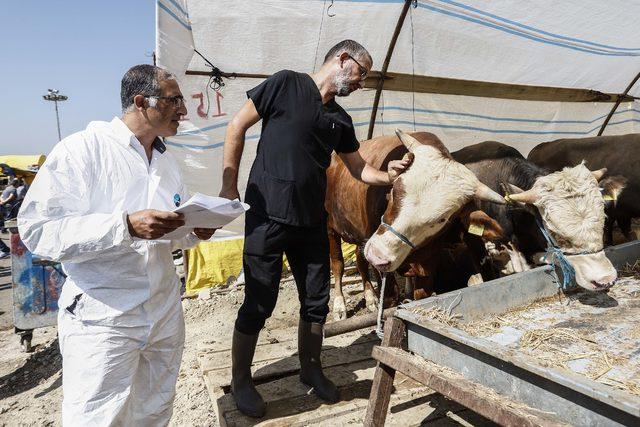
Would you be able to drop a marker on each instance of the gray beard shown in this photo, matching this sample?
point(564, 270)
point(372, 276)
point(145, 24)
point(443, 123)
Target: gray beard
point(341, 83)
point(343, 91)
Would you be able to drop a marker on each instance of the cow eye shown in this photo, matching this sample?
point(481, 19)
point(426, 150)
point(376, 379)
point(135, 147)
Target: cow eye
point(443, 220)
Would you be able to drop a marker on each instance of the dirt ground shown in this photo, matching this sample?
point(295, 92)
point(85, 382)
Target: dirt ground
point(30, 384)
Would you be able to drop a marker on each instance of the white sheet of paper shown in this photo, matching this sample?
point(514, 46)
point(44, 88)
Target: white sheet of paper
point(202, 211)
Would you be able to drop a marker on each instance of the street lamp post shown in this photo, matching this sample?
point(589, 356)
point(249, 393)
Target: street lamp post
point(54, 96)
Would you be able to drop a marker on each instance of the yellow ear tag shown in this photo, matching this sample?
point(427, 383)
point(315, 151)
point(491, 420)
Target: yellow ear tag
point(609, 197)
point(477, 229)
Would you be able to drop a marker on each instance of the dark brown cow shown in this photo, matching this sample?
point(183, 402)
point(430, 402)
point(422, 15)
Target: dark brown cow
point(424, 214)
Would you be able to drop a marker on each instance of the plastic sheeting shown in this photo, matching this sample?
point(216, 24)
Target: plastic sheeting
point(213, 263)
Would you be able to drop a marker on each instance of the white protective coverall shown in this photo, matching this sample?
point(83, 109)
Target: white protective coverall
point(120, 323)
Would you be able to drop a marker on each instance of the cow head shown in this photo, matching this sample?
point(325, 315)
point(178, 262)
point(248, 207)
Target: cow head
point(572, 210)
point(424, 199)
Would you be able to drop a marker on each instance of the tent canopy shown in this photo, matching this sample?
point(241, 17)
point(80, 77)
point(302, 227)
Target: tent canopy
point(24, 163)
point(468, 71)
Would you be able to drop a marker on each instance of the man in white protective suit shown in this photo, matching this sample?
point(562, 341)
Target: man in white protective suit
point(100, 204)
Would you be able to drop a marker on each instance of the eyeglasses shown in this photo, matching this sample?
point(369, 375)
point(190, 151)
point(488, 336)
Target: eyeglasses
point(177, 101)
point(363, 71)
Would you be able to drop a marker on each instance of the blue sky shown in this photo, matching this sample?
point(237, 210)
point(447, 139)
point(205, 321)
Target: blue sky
point(81, 48)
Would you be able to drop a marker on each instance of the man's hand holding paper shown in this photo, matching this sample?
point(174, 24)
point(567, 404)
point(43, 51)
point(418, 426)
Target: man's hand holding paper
point(204, 214)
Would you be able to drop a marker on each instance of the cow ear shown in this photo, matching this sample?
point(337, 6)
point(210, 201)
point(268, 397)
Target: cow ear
point(410, 157)
point(598, 174)
point(611, 188)
point(479, 223)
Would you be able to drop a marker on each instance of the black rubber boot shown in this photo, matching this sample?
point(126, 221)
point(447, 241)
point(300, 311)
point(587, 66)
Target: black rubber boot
point(247, 398)
point(310, 337)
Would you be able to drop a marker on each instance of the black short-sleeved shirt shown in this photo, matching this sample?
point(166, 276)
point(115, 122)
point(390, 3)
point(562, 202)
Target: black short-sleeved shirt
point(288, 179)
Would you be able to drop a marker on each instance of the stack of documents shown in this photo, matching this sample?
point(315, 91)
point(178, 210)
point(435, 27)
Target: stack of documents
point(202, 211)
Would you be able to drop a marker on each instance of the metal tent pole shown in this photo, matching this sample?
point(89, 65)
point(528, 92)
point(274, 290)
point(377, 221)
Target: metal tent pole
point(618, 101)
point(385, 66)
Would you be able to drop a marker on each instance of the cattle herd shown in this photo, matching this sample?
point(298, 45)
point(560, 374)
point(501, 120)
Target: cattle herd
point(453, 219)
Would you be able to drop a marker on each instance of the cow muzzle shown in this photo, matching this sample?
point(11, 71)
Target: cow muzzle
point(375, 257)
point(594, 272)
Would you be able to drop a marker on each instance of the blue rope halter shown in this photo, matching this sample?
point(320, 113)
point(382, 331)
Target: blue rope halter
point(557, 257)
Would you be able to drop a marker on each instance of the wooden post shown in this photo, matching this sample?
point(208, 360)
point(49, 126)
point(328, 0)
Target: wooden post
point(382, 385)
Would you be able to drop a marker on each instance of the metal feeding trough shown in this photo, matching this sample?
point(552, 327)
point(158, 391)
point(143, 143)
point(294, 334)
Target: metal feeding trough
point(537, 357)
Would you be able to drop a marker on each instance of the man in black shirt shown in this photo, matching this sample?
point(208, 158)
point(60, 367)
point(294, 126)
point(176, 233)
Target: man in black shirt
point(301, 127)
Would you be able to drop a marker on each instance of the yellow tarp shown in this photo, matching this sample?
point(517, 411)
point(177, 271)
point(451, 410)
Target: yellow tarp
point(23, 162)
point(212, 263)
point(21, 165)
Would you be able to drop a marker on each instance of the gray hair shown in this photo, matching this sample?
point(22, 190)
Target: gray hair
point(353, 48)
point(141, 80)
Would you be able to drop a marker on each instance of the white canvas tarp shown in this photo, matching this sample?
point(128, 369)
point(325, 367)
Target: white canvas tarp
point(584, 44)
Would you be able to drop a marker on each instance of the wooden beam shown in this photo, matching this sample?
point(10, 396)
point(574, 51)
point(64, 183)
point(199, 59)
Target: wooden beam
point(486, 402)
point(440, 85)
point(385, 66)
point(355, 323)
point(227, 75)
point(615, 107)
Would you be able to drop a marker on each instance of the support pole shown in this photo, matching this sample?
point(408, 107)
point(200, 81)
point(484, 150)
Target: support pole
point(385, 66)
point(58, 120)
point(618, 101)
point(227, 75)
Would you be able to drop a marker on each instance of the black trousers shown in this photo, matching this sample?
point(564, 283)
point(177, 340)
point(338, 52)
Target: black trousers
point(307, 250)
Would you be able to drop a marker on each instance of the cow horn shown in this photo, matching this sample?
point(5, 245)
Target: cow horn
point(514, 189)
point(527, 197)
point(410, 142)
point(485, 193)
point(598, 174)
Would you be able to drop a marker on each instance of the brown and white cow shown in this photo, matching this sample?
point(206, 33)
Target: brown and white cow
point(431, 195)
